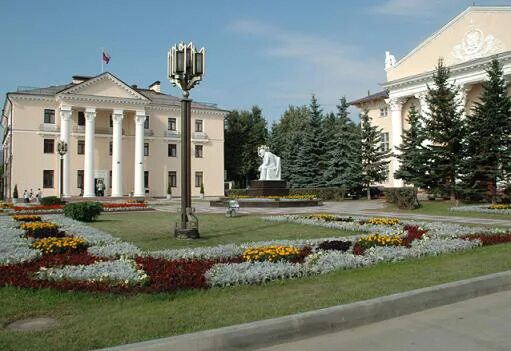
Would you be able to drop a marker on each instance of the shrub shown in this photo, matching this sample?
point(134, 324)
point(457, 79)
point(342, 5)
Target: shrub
point(202, 188)
point(83, 211)
point(169, 190)
point(322, 193)
point(404, 198)
point(50, 200)
point(15, 192)
point(236, 192)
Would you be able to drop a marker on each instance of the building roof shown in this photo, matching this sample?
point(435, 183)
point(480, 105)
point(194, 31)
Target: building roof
point(155, 97)
point(377, 96)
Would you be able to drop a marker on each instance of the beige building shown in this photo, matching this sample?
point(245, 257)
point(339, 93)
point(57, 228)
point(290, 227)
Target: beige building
point(121, 135)
point(466, 44)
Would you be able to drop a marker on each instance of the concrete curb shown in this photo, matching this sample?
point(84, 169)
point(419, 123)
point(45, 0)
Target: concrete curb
point(268, 332)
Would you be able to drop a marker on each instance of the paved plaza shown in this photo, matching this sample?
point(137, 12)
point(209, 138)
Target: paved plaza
point(358, 207)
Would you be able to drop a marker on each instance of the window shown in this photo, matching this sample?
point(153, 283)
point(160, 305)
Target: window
point(198, 179)
point(81, 147)
point(111, 121)
point(146, 149)
point(384, 111)
point(172, 150)
point(49, 146)
point(49, 116)
point(172, 179)
point(198, 125)
point(79, 178)
point(146, 122)
point(146, 179)
point(385, 145)
point(110, 148)
point(81, 118)
point(171, 123)
point(48, 178)
point(198, 151)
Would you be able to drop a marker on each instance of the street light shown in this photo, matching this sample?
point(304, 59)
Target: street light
point(185, 70)
point(62, 150)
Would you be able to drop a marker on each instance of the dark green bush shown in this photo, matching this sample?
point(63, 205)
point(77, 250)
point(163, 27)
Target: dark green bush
point(83, 211)
point(322, 193)
point(15, 192)
point(50, 200)
point(404, 198)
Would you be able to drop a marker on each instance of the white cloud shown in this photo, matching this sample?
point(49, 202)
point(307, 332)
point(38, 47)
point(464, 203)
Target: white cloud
point(409, 8)
point(313, 64)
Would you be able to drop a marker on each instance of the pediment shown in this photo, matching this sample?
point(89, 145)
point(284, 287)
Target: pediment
point(104, 85)
point(476, 33)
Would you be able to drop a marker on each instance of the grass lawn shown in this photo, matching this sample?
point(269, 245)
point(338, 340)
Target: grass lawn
point(441, 208)
point(88, 321)
point(155, 230)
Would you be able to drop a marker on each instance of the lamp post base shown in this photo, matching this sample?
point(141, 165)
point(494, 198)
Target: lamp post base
point(191, 233)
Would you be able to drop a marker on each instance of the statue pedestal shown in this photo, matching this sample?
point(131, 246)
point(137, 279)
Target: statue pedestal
point(268, 188)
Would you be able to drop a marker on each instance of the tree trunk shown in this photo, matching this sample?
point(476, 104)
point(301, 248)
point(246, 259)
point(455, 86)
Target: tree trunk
point(368, 192)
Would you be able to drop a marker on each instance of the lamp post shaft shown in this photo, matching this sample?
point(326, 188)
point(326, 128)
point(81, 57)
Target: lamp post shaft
point(61, 176)
point(186, 188)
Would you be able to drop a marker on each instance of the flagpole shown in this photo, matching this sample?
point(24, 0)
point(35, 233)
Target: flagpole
point(102, 50)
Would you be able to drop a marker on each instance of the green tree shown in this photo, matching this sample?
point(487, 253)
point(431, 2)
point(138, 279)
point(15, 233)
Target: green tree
point(344, 163)
point(244, 132)
point(375, 159)
point(285, 139)
point(413, 158)
point(488, 156)
point(445, 129)
point(310, 163)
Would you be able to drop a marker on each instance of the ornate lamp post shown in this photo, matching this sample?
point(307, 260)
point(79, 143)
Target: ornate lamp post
point(185, 69)
point(62, 150)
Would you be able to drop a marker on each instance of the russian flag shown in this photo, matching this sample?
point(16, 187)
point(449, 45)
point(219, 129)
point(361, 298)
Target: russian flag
point(106, 57)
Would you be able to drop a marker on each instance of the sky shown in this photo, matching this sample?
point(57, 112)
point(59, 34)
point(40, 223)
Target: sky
point(267, 53)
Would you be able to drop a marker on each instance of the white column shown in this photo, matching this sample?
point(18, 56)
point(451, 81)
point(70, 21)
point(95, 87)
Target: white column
point(139, 153)
point(65, 126)
point(88, 174)
point(396, 105)
point(117, 187)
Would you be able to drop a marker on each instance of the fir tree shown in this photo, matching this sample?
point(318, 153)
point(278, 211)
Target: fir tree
point(488, 138)
point(344, 166)
point(375, 159)
point(256, 135)
point(310, 162)
point(286, 139)
point(413, 158)
point(445, 129)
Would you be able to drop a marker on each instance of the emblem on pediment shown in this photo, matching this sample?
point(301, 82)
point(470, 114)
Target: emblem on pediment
point(475, 45)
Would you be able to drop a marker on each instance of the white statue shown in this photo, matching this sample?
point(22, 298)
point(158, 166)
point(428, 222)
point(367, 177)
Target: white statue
point(270, 168)
point(390, 60)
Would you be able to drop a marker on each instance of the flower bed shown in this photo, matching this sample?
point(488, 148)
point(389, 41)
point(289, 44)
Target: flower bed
point(107, 207)
point(491, 209)
point(27, 218)
point(41, 229)
point(92, 260)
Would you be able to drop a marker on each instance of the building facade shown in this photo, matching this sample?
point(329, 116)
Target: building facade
point(466, 44)
point(123, 136)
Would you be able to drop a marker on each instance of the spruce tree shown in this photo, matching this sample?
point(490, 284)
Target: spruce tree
point(286, 139)
point(310, 162)
point(344, 166)
point(445, 129)
point(375, 159)
point(413, 158)
point(256, 134)
point(488, 138)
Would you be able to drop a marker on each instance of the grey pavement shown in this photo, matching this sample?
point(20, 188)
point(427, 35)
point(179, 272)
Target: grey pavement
point(359, 207)
point(479, 324)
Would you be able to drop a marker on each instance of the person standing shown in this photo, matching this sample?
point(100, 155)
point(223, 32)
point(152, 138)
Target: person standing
point(25, 196)
point(38, 195)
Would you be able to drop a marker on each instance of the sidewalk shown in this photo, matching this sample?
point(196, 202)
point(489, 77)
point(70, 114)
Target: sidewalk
point(479, 324)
